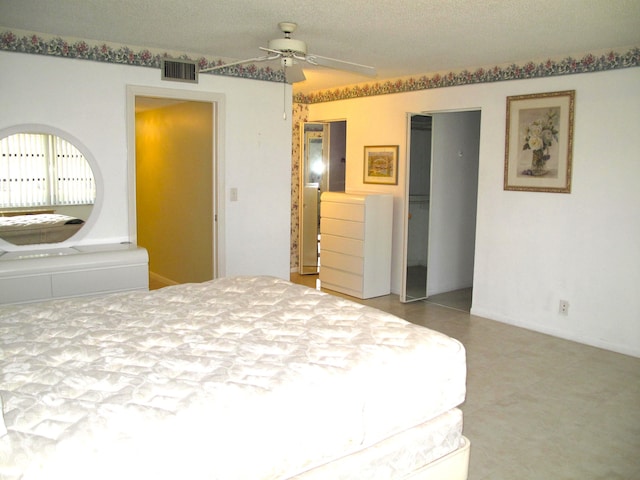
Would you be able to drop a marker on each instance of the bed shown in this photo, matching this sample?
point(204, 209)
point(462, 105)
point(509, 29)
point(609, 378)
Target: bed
point(38, 228)
point(236, 378)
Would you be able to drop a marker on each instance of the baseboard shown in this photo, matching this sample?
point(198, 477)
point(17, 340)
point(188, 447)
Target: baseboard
point(155, 278)
point(554, 332)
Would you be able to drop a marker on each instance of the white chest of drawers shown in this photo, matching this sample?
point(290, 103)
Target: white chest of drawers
point(36, 275)
point(355, 243)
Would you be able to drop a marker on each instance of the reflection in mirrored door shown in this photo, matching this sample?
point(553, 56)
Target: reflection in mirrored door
point(417, 208)
point(322, 169)
point(313, 166)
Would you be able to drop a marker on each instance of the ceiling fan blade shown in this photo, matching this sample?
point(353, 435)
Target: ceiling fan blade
point(275, 53)
point(341, 65)
point(240, 62)
point(294, 74)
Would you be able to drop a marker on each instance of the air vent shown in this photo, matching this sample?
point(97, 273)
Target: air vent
point(179, 70)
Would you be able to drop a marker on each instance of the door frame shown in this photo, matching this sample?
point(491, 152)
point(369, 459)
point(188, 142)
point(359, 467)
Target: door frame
point(409, 115)
point(218, 108)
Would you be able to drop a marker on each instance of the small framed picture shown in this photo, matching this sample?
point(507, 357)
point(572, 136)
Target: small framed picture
point(381, 164)
point(539, 142)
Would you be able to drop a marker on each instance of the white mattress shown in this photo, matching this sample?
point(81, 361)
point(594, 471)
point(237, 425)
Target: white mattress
point(247, 377)
point(399, 455)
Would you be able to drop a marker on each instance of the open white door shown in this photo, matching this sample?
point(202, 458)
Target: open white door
point(417, 208)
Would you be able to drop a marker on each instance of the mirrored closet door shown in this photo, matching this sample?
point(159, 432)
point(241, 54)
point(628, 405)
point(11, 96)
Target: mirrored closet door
point(323, 166)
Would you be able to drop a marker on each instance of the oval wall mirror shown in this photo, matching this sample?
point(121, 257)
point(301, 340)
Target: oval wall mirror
point(47, 186)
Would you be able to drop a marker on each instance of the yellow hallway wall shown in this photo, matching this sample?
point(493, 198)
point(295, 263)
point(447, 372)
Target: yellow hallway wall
point(174, 190)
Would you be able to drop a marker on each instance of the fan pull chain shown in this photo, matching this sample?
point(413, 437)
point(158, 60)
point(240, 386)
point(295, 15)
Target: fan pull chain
point(284, 100)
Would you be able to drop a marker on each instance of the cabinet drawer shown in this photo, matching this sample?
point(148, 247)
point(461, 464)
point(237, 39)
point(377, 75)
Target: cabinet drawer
point(342, 279)
point(25, 289)
point(83, 282)
point(342, 211)
point(340, 261)
point(348, 246)
point(342, 228)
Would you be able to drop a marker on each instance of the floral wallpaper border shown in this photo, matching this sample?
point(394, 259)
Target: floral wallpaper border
point(549, 68)
point(81, 49)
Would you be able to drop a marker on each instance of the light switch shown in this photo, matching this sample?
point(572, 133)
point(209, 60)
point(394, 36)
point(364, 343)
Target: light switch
point(233, 194)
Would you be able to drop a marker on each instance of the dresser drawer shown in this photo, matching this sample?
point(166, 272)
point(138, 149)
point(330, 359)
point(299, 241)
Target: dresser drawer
point(25, 289)
point(89, 282)
point(355, 243)
point(338, 278)
point(342, 228)
point(348, 246)
point(28, 276)
point(342, 211)
point(339, 261)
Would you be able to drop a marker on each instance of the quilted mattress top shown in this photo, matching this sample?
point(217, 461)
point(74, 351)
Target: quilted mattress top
point(245, 377)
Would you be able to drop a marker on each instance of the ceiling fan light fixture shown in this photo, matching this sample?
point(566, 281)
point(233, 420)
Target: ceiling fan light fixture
point(288, 50)
point(288, 45)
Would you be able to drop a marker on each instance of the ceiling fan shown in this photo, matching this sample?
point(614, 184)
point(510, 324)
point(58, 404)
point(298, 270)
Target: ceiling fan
point(290, 52)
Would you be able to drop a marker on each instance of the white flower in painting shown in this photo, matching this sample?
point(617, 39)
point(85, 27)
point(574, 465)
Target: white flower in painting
point(542, 132)
point(547, 137)
point(535, 143)
point(535, 129)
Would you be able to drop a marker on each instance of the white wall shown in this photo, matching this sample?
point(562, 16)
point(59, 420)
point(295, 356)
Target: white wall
point(88, 101)
point(533, 249)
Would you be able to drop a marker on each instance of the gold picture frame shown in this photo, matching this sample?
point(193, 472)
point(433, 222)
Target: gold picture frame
point(381, 164)
point(539, 142)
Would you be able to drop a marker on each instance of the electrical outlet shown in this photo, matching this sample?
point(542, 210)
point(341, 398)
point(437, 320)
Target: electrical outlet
point(563, 308)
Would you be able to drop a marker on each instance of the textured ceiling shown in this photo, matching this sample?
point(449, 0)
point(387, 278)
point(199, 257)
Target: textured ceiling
point(398, 38)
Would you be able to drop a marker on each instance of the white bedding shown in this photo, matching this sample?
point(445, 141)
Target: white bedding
point(247, 378)
point(399, 455)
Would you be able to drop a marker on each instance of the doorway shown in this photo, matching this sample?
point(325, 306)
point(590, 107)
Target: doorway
point(323, 169)
point(173, 185)
point(441, 203)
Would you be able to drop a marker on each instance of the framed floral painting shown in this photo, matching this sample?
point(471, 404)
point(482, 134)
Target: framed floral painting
point(381, 164)
point(539, 142)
